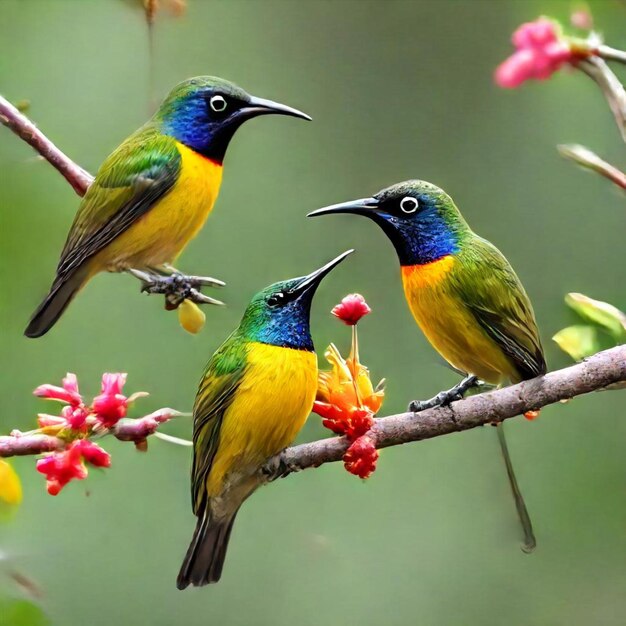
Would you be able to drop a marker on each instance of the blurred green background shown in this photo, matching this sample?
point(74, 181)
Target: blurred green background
point(397, 90)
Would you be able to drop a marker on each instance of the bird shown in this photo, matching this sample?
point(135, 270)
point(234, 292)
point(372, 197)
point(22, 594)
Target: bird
point(255, 395)
point(153, 194)
point(464, 295)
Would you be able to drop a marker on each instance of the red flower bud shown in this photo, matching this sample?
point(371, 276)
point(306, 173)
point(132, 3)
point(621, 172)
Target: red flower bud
point(361, 420)
point(351, 309)
point(582, 19)
point(50, 421)
point(351, 422)
point(360, 458)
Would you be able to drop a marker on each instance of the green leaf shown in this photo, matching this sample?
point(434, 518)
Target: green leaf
point(21, 613)
point(601, 313)
point(578, 341)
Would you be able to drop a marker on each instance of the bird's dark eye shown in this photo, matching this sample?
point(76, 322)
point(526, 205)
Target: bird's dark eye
point(276, 298)
point(409, 204)
point(218, 104)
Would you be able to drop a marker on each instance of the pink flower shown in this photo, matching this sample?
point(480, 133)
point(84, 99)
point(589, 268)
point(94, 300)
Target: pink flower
point(67, 393)
point(60, 468)
point(582, 19)
point(541, 49)
point(93, 453)
point(111, 405)
point(360, 458)
point(351, 309)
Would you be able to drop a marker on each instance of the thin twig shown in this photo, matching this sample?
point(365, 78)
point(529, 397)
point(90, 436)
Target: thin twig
point(185, 287)
point(590, 160)
point(26, 130)
point(611, 54)
point(611, 87)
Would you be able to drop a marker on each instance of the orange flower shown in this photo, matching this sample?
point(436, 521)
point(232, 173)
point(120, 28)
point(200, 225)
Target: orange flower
point(348, 384)
point(346, 399)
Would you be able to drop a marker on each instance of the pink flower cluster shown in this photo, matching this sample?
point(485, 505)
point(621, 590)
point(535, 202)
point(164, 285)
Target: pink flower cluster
point(76, 423)
point(541, 49)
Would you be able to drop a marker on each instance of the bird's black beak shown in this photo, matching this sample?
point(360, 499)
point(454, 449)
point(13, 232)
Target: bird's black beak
point(261, 106)
point(362, 206)
point(308, 284)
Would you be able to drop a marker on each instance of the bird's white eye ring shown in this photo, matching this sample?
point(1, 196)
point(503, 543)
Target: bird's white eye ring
point(218, 104)
point(276, 298)
point(409, 204)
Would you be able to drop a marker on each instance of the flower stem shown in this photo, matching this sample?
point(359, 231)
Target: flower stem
point(354, 353)
point(611, 54)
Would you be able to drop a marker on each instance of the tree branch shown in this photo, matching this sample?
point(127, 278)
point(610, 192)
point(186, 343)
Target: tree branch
point(596, 373)
point(599, 371)
point(135, 430)
point(26, 130)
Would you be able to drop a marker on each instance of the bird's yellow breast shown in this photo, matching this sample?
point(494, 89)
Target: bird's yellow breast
point(270, 407)
point(448, 324)
point(161, 234)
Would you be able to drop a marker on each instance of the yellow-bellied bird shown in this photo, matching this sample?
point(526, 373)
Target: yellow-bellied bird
point(254, 397)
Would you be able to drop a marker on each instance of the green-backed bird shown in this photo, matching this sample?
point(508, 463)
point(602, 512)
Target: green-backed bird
point(153, 194)
point(463, 293)
point(254, 397)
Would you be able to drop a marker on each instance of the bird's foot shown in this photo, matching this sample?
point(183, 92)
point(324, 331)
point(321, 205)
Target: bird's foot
point(278, 467)
point(444, 398)
point(177, 287)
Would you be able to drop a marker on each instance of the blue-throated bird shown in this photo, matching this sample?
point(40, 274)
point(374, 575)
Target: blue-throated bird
point(463, 294)
point(153, 194)
point(254, 397)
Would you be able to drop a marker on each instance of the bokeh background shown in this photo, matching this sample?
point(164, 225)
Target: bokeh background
point(397, 90)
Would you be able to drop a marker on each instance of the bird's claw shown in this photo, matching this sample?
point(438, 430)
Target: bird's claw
point(177, 287)
point(443, 398)
point(278, 467)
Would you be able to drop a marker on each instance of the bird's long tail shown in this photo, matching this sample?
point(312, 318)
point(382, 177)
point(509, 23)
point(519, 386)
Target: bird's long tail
point(205, 557)
point(530, 542)
point(63, 290)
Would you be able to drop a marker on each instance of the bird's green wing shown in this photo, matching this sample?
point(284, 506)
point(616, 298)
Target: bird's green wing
point(142, 170)
point(495, 296)
point(219, 384)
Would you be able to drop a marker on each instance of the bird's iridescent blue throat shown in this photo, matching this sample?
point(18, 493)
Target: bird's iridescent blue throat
point(287, 328)
point(189, 124)
point(421, 239)
point(279, 315)
point(285, 325)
